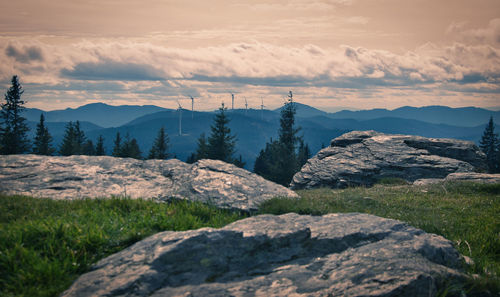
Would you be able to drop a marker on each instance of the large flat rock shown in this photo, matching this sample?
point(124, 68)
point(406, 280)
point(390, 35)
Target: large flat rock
point(363, 157)
point(483, 178)
point(210, 181)
point(288, 255)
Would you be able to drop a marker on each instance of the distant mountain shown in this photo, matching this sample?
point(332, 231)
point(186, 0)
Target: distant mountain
point(98, 113)
point(305, 111)
point(254, 127)
point(462, 117)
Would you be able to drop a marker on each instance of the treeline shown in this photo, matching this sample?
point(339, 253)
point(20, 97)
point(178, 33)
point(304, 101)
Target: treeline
point(278, 161)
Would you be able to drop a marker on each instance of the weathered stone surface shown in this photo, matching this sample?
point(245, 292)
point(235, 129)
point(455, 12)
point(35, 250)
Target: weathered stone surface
point(462, 176)
point(363, 157)
point(288, 255)
point(209, 181)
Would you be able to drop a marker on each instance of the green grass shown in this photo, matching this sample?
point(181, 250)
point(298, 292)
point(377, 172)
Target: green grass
point(468, 214)
point(45, 244)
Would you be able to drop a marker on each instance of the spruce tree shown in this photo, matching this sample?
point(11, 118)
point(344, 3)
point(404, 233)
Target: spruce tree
point(130, 148)
point(279, 161)
point(13, 132)
point(88, 148)
point(221, 144)
point(67, 147)
point(489, 144)
point(73, 141)
point(99, 147)
point(159, 150)
point(117, 146)
point(201, 150)
point(42, 144)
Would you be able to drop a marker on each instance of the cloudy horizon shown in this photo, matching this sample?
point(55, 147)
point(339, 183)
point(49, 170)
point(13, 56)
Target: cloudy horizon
point(331, 53)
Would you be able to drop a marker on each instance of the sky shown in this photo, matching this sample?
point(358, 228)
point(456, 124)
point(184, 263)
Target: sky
point(331, 54)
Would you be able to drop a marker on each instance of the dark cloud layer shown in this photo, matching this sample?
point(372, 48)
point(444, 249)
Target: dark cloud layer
point(112, 70)
point(24, 54)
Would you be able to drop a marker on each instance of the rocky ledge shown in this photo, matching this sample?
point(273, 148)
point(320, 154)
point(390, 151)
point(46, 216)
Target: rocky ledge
point(288, 255)
point(482, 178)
point(363, 157)
point(209, 181)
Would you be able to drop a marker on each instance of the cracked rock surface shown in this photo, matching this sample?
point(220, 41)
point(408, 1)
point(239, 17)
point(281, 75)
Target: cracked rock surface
point(363, 157)
point(484, 178)
point(288, 255)
point(209, 181)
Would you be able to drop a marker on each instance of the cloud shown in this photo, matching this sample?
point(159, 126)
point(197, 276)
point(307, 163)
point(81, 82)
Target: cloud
point(487, 35)
point(112, 70)
point(24, 54)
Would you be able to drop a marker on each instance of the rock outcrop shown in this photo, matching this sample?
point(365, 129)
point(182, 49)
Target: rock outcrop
point(483, 178)
point(363, 157)
point(210, 181)
point(288, 255)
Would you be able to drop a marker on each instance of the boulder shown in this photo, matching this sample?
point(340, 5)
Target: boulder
point(209, 181)
point(483, 178)
point(287, 255)
point(363, 157)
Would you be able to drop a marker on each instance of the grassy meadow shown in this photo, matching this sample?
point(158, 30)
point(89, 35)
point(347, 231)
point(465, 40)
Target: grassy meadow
point(46, 244)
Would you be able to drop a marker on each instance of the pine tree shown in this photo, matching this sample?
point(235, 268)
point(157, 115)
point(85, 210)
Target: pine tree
point(303, 154)
point(279, 161)
point(80, 139)
point(42, 144)
point(67, 145)
point(73, 141)
point(130, 148)
point(159, 150)
point(117, 146)
point(88, 148)
point(201, 150)
point(99, 147)
point(489, 144)
point(13, 132)
point(221, 143)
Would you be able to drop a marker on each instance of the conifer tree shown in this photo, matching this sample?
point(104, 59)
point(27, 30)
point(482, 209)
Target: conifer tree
point(73, 141)
point(99, 147)
point(13, 127)
point(489, 144)
point(282, 158)
point(130, 148)
point(159, 150)
point(279, 161)
point(88, 148)
point(201, 150)
point(42, 144)
point(67, 145)
point(221, 143)
point(117, 146)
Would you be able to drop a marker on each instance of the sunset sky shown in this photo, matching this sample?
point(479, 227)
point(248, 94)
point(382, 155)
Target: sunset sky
point(330, 53)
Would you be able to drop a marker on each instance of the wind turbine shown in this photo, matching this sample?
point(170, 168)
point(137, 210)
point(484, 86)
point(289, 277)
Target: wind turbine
point(192, 107)
point(232, 101)
point(262, 109)
point(246, 105)
point(180, 118)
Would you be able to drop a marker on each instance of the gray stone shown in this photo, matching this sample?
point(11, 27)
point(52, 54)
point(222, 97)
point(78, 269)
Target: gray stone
point(288, 255)
point(363, 157)
point(483, 178)
point(74, 177)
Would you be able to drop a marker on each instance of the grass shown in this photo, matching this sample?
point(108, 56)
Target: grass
point(45, 244)
point(468, 214)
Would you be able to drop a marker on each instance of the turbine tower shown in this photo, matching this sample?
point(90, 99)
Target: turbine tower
point(192, 107)
point(180, 118)
point(246, 105)
point(232, 101)
point(262, 109)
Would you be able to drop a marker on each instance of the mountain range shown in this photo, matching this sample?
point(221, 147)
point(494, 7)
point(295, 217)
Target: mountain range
point(254, 128)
